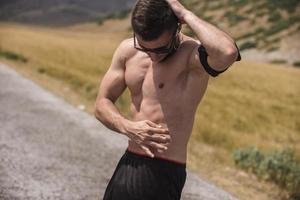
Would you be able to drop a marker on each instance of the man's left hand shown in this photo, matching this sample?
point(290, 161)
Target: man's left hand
point(179, 10)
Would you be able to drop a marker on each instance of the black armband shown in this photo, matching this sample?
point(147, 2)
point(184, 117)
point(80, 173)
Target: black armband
point(209, 69)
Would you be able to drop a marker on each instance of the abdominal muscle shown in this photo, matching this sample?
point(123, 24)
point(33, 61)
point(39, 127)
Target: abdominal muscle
point(180, 128)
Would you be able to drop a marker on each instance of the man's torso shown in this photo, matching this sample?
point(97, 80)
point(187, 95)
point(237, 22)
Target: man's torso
point(166, 93)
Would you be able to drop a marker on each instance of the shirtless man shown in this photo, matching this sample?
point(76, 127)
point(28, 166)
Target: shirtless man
point(167, 74)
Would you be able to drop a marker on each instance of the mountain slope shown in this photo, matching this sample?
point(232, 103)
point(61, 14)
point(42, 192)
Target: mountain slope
point(58, 12)
point(265, 30)
point(270, 26)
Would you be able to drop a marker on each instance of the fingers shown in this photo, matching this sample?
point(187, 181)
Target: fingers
point(157, 143)
point(147, 151)
point(158, 130)
point(152, 137)
point(157, 146)
point(152, 124)
point(160, 138)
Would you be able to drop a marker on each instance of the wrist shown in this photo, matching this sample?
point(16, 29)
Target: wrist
point(124, 123)
point(187, 16)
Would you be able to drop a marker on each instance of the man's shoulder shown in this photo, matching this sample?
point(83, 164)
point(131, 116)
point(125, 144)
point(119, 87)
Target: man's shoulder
point(127, 43)
point(189, 45)
point(127, 47)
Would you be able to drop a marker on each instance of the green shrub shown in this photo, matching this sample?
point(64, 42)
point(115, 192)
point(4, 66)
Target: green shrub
point(234, 18)
point(278, 61)
point(273, 48)
point(281, 167)
point(41, 70)
point(296, 64)
point(12, 56)
point(238, 3)
point(281, 25)
point(216, 6)
point(260, 13)
point(247, 35)
point(257, 31)
point(274, 16)
point(100, 20)
point(288, 5)
point(248, 45)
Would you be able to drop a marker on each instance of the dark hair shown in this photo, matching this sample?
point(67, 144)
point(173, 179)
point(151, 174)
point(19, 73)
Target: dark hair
point(150, 18)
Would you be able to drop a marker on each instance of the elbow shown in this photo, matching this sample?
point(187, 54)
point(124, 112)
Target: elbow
point(97, 112)
point(230, 56)
point(97, 109)
point(232, 53)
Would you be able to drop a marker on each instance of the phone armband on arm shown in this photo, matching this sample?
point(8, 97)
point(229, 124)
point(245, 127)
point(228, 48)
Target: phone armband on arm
point(203, 59)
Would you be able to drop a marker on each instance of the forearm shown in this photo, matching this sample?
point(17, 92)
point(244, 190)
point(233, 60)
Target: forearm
point(107, 113)
point(217, 43)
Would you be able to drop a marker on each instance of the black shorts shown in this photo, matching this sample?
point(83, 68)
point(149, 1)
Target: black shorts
point(138, 177)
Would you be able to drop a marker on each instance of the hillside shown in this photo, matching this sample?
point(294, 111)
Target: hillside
point(262, 101)
point(268, 30)
point(265, 30)
point(58, 12)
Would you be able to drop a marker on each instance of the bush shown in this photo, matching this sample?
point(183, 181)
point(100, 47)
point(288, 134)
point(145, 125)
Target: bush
point(13, 56)
point(238, 3)
point(281, 167)
point(100, 20)
point(41, 70)
point(288, 5)
point(296, 64)
point(272, 48)
point(274, 16)
point(247, 35)
point(278, 61)
point(234, 18)
point(247, 45)
point(281, 25)
point(216, 5)
point(258, 31)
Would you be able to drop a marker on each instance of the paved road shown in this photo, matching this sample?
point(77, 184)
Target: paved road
point(52, 150)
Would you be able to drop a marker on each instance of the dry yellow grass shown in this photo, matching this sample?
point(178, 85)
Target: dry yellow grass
point(251, 104)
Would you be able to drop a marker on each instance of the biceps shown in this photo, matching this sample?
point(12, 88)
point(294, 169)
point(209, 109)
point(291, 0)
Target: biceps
point(201, 59)
point(112, 85)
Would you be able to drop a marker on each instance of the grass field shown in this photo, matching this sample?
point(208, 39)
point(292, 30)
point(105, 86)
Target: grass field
point(252, 104)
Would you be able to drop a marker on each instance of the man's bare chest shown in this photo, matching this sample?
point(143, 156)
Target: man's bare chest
point(155, 80)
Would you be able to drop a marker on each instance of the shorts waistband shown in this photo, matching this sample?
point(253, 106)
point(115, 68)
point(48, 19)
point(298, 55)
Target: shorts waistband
point(136, 155)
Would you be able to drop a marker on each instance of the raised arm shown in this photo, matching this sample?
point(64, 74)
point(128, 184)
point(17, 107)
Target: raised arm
point(217, 51)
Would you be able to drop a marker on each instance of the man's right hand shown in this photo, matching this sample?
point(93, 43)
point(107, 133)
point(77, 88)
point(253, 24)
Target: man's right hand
point(148, 134)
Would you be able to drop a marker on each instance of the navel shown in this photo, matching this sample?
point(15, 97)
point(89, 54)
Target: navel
point(161, 85)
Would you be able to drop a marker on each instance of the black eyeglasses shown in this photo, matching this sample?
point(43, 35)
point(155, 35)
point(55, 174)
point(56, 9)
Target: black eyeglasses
point(160, 50)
